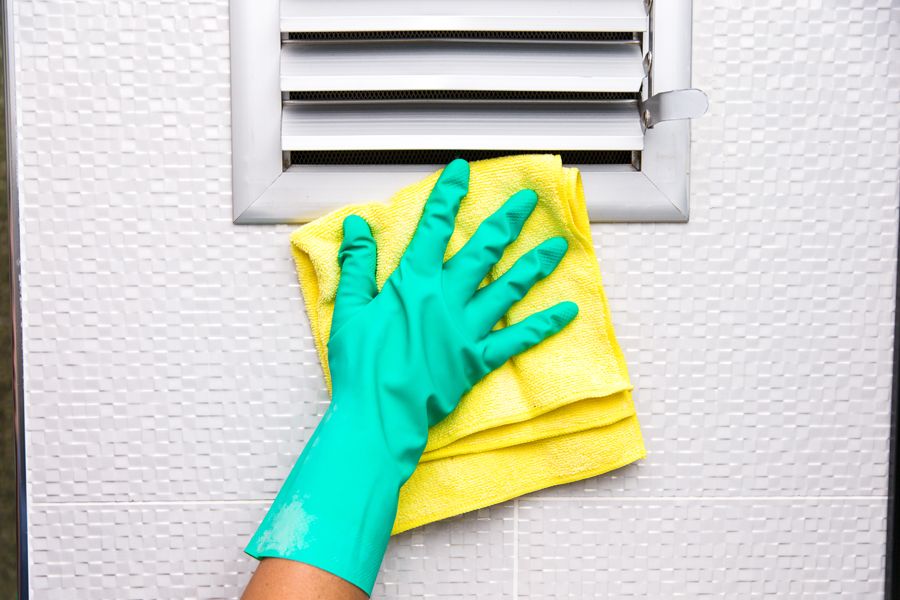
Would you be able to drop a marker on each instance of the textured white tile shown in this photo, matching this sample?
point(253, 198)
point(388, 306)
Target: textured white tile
point(137, 553)
point(194, 552)
point(469, 557)
point(701, 549)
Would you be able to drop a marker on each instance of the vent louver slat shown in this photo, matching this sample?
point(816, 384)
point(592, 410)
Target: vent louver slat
point(472, 15)
point(489, 126)
point(462, 65)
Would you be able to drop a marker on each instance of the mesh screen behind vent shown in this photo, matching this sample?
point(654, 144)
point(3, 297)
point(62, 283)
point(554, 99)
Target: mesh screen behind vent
point(468, 95)
point(568, 36)
point(439, 157)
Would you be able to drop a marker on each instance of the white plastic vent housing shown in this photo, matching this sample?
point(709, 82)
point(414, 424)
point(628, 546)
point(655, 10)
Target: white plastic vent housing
point(316, 77)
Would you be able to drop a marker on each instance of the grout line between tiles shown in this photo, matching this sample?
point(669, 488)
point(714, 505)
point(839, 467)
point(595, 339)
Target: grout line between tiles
point(226, 502)
point(515, 581)
point(111, 503)
point(703, 498)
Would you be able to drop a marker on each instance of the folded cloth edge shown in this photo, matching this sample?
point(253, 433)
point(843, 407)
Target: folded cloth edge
point(522, 468)
point(571, 417)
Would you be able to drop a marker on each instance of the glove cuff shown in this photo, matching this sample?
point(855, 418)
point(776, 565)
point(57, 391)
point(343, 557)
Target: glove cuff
point(337, 507)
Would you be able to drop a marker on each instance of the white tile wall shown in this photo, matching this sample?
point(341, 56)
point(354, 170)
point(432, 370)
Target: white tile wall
point(699, 548)
point(195, 550)
point(171, 379)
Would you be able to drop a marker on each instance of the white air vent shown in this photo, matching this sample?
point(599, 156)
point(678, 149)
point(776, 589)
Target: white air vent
point(340, 101)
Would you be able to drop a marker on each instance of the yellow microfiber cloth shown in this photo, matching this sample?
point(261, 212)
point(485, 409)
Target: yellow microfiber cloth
point(557, 413)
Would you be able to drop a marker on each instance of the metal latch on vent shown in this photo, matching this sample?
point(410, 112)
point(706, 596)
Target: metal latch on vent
point(672, 105)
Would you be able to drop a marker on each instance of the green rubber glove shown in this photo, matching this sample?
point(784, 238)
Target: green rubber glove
point(400, 361)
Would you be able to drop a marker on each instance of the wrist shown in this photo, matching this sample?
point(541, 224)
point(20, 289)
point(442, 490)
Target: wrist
point(384, 425)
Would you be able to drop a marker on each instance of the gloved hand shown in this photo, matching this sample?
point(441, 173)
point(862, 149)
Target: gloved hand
point(400, 360)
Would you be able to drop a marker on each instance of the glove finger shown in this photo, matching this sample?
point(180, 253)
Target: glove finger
point(429, 242)
point(357, 259)
point(505, 343)
point(469, 266)
point(491, 302)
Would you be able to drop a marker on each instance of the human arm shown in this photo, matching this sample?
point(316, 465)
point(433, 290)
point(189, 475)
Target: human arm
point(292, 580)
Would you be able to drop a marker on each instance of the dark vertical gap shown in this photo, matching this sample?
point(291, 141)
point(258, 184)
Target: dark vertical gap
point(13, 571)
point(891, 589)
point(10, 515)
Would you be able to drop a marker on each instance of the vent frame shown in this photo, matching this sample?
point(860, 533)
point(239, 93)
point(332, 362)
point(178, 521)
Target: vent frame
point(265, 192)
